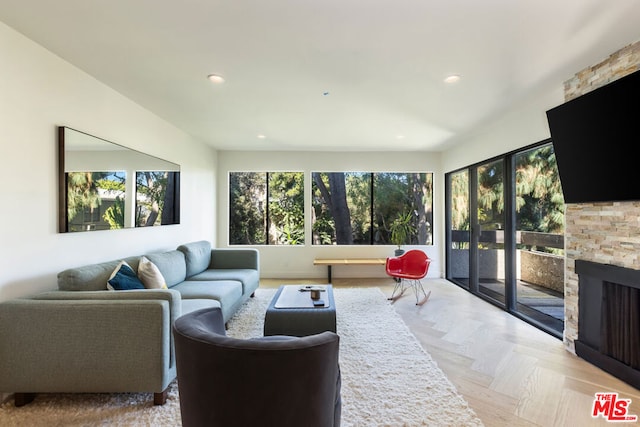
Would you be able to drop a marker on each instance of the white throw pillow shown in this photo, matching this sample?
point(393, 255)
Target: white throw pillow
point(150, 275)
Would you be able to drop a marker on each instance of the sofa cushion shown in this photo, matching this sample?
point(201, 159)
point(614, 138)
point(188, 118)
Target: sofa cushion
point(197, 256)
point(219, 290)
point(248, 277)
point(124, 278)
point(227, 292)
point(171, 264)
point(190, 305)
point(150, 275)
point(91, 277)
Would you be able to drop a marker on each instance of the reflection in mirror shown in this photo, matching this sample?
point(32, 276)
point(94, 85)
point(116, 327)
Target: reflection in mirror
point(95, 200)
point(97, 189)
point(157, 198)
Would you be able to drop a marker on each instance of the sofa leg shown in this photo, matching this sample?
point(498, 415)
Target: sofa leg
point(160, 398)
point(22, 399)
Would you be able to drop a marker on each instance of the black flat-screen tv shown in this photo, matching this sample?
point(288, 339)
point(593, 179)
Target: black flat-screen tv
point(594, 138)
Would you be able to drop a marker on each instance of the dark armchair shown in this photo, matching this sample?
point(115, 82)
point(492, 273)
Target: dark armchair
point(271, 381)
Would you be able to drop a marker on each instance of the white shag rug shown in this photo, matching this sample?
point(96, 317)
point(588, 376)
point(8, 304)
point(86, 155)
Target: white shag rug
point(387, 378)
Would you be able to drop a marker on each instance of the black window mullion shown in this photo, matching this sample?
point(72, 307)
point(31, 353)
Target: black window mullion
point(510, 232)
point(474, 235)
point(371, 214)
point(267, 219)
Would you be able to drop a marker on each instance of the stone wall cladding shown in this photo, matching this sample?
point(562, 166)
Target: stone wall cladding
point(621, 63)
point(607, 233)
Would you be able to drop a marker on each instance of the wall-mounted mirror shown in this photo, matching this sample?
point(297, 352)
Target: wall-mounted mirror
point(105, 186)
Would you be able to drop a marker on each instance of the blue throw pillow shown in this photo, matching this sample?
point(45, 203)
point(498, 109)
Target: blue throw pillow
point(124, 278)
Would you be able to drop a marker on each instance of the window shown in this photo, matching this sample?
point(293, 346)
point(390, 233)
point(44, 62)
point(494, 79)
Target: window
point(266, 208)
point(359, 208)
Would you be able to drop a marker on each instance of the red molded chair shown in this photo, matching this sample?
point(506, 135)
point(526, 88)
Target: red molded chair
point(408, 269)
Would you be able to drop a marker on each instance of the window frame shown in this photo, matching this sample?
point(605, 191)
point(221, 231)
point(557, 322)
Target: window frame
point(266, 201)
point(429, 180)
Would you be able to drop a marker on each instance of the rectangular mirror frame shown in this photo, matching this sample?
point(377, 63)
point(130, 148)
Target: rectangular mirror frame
point(149, 164)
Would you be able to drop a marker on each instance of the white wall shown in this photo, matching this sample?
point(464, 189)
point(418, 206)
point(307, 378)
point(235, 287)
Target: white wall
point(522, 125)
point(297, 261)
point(38, 92)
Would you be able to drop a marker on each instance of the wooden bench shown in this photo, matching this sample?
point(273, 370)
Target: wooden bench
point(347, 261)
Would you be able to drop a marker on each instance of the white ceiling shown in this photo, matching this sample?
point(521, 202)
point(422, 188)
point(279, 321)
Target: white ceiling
point(328, 74)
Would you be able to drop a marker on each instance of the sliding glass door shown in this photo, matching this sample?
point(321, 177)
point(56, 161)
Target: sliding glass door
point(505, 234)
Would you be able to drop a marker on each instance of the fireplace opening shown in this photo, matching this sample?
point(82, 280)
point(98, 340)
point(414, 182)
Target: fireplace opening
point(609, 319)
point(621, 323)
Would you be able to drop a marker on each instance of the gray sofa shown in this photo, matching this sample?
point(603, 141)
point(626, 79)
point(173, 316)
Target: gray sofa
point(86, 338)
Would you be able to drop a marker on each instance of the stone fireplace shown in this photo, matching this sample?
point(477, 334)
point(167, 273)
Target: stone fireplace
point(598, 233)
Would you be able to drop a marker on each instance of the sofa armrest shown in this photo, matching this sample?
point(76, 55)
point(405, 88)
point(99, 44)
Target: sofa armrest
point(113, 342)
point(235, 258)
point(172, 297)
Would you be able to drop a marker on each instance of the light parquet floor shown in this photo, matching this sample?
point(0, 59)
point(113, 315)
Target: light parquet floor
point(511, 373)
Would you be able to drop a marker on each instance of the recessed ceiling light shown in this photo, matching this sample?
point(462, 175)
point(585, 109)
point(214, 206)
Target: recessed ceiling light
point(399, 136)
point(453, 78)
point(261, 136)
point(215, 78)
